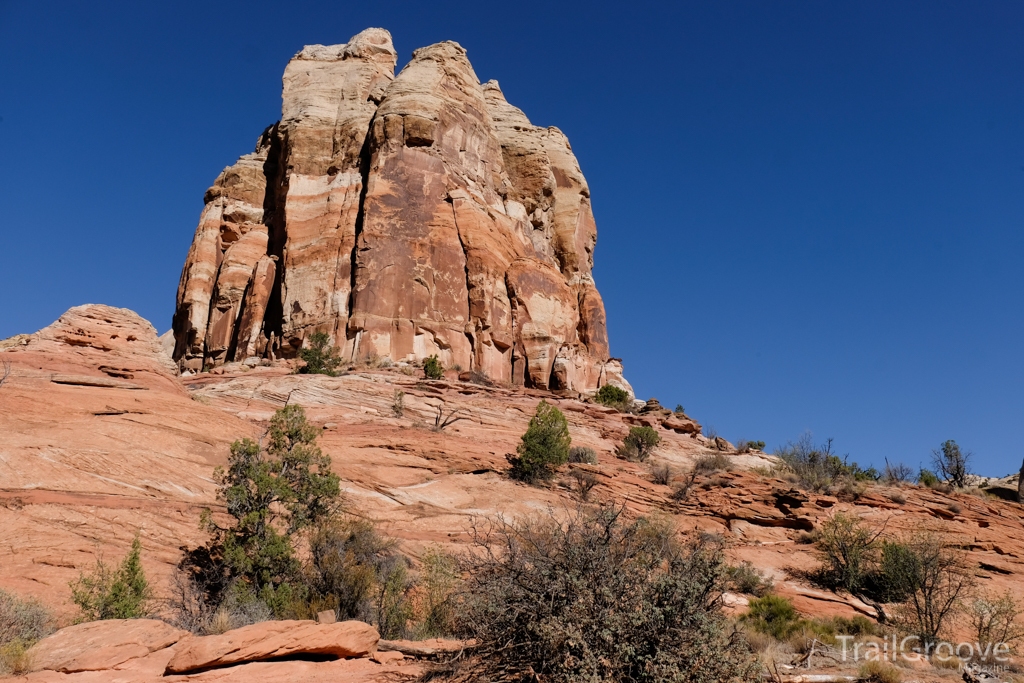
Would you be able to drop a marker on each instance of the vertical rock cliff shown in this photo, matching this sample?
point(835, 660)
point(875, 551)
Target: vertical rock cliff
point(405, 216)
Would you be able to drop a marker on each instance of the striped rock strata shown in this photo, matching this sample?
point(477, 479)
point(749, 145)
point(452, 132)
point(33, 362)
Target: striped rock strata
point(405, 216)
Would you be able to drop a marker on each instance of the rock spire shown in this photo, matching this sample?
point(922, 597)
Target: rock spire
point(405, 216)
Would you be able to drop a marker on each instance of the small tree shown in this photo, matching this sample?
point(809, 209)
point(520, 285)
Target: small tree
point(273, 492)
point(639, 443)
point(432, 368)
point(952, 464)
point(107, 593)
point(995, 619)
point(937, 581)
point(544, 446)
point(321, 358)
point(847, 548)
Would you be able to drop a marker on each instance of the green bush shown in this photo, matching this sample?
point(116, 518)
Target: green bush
point(583, 454)
point(613, 397)
point(321, 358)
point(745, 578)
point(544, 446)
point(743, 446)
point(596, 597)
point(432, 368)
point(773, 615)
point(927, 478)
point(847, 548)
point(639, 443)
point(107, 593)
point(894, 580)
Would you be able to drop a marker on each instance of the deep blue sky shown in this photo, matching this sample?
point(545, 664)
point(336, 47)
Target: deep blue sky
point(809, 213)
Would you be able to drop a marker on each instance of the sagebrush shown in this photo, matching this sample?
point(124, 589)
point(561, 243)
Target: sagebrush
point(598, 597)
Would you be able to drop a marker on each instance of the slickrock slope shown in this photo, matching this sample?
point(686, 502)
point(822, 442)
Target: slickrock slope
point(86, 465)
point(404, 216)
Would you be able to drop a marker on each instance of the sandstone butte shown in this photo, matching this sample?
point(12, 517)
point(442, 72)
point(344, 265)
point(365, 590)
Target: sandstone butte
point(104, 436)
point(405, 216)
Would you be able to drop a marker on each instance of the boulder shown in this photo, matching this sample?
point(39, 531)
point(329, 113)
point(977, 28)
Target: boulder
point(274, 640)
point(99, 645)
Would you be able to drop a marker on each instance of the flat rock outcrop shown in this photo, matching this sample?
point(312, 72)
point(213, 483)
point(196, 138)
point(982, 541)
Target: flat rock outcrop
point(274, 640)
point(405, 216)
point(99, 645)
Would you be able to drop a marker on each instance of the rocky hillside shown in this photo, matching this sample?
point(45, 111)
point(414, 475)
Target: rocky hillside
point(405, 216)
point(103, 440)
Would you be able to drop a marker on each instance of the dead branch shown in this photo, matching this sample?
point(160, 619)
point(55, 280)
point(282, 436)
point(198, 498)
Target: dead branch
point(5, 372)
point(442, 421)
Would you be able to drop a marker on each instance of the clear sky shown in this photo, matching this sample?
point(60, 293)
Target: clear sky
point(809, 213)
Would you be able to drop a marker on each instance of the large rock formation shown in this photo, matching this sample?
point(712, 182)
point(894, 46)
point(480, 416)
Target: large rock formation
point(404, 216)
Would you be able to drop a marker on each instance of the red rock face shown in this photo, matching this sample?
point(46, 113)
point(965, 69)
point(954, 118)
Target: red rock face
point(406, 217)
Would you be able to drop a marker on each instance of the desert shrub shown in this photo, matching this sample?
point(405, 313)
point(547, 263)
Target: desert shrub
point(22, 623)
point(432, 368)
point(477, 377)
point(927, 478)
point(661, 475)
point(398, 403)
point(935, 578)
point(439, 583)
point(995, 619)
point(544, 446)
point(898, 497)
point(681, 491)
point(583, 455)
point(639, 443)
point(847, 548)
point(108, 593)
point(597, 597)
point(613, 397)
point(952, 464)
point(747, 579)
point(321, 358)
point(359, 573)
point(818, 467)
point(955, 508)
point(879, 672)
point(14, 657)
point(272, 492)
point(745, 446)
point(773, 615)
point(711, 462)
point(679, 409)
point(898, 473)
point(23, 619)
point(582, 483)
point(853, 626)
point(238, 609)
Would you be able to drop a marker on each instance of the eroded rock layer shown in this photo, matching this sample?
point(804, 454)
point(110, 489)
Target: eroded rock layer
point(405, 216)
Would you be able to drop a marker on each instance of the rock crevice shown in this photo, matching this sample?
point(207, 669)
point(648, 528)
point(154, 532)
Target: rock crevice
point(405, 216)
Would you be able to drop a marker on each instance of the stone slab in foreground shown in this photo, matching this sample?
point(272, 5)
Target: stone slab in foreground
point(273, 640)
